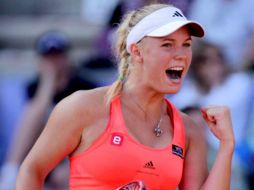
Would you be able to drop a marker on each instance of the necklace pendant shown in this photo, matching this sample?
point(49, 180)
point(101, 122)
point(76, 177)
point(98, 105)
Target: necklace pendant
point(157, 131)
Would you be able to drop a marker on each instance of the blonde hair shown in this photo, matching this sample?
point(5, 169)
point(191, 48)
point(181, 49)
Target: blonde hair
point(128, 22)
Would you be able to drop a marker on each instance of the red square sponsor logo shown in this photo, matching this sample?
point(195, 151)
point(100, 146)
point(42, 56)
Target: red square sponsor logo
point(117, 139)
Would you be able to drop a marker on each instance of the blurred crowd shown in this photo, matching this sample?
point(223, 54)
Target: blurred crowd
point(222, 72)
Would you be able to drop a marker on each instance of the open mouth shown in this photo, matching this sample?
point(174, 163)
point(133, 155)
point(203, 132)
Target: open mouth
point(174, 73)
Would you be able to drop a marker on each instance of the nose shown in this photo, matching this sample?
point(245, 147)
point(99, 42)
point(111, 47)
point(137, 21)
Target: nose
point(181, 53)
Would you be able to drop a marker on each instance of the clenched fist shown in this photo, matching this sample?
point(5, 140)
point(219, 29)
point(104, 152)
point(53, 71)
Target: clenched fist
point(219, 121)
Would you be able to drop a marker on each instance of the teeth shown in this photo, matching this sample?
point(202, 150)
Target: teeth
point(176, 68)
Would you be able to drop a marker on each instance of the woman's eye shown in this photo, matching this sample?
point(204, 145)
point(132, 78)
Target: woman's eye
point(187, 44)
point(167, 45)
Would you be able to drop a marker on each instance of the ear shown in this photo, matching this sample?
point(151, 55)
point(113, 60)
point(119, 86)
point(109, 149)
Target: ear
point(136, 54)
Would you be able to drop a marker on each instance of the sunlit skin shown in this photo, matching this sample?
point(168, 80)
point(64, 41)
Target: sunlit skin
point(156, 55)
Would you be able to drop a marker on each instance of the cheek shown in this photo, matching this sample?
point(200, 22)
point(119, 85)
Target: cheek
point(189, 55)
point(188, 60)
point(155, 64)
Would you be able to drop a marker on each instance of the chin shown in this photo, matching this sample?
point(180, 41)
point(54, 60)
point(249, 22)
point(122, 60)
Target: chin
point(169, 90)
point(172, 89)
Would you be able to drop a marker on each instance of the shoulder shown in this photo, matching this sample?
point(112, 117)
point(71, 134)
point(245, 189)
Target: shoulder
point(87, 97)
point(82, 106)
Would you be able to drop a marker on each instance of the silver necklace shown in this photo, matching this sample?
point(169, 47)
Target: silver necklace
point(157, 130)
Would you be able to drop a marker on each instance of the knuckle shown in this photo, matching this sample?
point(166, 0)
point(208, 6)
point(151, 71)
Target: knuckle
point(226, 110)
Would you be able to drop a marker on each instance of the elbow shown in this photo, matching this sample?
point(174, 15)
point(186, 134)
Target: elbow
point(29, 176)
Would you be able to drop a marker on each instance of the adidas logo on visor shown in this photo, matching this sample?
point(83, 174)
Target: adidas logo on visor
point(177, 14)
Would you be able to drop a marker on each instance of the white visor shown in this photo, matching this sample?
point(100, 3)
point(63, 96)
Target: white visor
point(162, 23)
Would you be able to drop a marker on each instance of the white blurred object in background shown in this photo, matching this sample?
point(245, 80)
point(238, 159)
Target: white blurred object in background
point(97, 11)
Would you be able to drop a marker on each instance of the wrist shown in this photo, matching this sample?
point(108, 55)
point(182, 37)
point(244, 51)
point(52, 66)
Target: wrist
point(227, 146)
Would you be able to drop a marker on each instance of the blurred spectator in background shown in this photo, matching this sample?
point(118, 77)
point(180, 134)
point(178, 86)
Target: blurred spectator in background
point(194, 112)
point(213, 82)
point(12, 100)
point(228, 23)
point(55, 80)
point(249, 56)
point(249, 146)
point(101, 67)
point(105, 40)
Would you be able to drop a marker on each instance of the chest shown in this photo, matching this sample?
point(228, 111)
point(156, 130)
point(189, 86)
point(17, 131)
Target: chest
point(117, 159)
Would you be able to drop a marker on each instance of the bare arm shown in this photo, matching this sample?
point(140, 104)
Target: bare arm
point(59, 138)
point(219, 121)
point(195, 176)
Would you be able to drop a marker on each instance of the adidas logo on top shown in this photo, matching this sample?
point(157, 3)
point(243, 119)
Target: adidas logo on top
point(177, 14)
point(149, 165)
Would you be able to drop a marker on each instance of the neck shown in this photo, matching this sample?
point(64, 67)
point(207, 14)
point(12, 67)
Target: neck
point(144, 99)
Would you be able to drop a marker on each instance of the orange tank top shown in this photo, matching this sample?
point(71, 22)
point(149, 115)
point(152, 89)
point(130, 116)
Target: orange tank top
point(116, 158)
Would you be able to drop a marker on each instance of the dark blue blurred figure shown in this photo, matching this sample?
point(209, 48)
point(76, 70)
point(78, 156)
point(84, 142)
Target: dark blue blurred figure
point(53, 48)
point(55, 80)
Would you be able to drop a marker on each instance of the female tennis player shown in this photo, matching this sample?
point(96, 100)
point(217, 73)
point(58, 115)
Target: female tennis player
point(128, 131)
